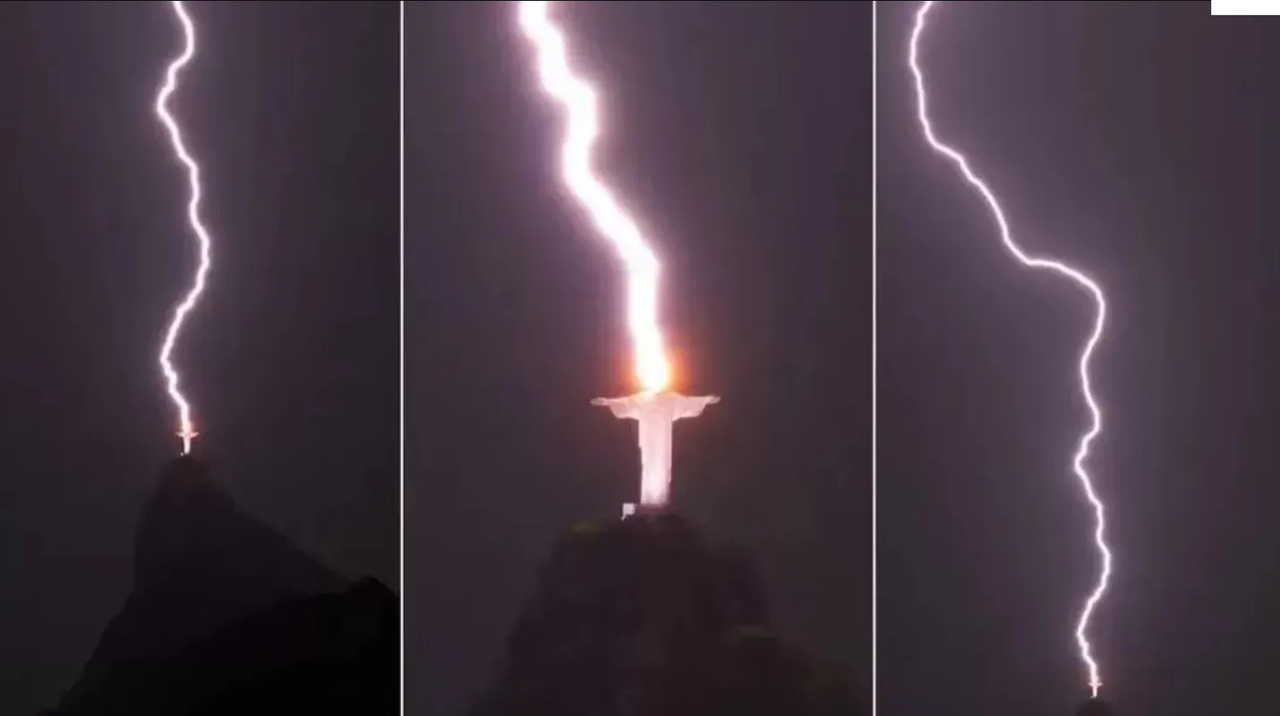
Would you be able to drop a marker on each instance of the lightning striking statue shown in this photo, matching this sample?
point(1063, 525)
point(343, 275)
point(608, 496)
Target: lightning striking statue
point(655, 407)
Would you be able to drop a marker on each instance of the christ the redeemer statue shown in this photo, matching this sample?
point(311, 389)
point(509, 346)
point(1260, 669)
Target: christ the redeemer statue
point(655, 412)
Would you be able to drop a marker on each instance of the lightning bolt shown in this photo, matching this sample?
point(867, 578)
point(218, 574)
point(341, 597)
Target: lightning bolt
point(1086, 355)
point(579, 99)
point(186, 430)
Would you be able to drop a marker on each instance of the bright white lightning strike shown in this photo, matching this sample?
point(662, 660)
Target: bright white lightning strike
point(1077, 276)
point(654, 408)
point(186, 430)
point(652, 367)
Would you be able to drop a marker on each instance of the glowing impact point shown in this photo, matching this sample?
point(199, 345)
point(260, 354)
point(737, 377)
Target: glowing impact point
point(186, 430)
point(655, 408)
point(1086, 355)
point(655, 413)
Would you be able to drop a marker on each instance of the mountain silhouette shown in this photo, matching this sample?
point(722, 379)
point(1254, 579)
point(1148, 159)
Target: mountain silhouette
point(226, 616)
point(1095, 707)
point(641, 617)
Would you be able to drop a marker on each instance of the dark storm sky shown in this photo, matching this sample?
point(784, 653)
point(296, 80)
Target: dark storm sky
point(291, 362)
point(740, 135)
point(1138, 139)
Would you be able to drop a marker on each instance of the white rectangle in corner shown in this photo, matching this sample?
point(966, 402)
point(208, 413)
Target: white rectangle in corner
point(1245, 7)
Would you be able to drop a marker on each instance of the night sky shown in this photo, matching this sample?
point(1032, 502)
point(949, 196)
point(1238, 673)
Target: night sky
point(1138, 139)
point(293, 360)
point(740, 135)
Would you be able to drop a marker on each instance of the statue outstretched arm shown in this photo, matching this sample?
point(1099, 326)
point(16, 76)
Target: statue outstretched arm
point(691, 406)
point(621, 407)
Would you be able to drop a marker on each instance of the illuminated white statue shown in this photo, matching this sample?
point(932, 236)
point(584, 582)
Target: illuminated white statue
point(655, 412)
